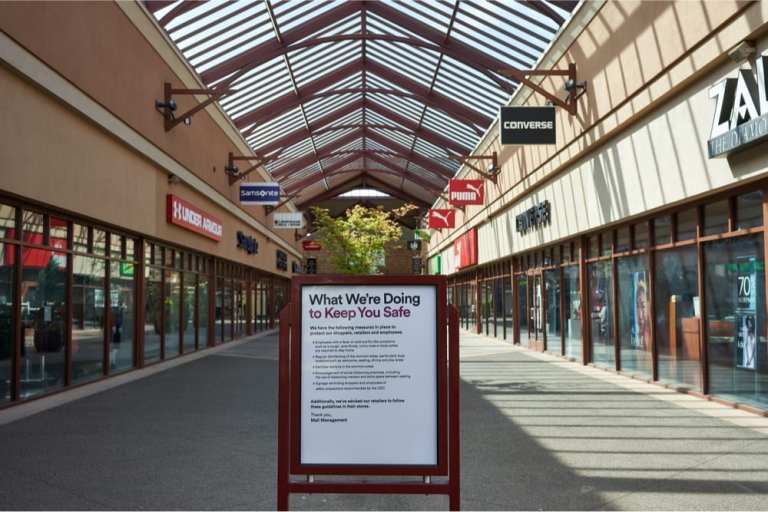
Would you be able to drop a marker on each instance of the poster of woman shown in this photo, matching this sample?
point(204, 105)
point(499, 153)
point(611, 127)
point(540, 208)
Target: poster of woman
point(746, 342)
point(640, 335)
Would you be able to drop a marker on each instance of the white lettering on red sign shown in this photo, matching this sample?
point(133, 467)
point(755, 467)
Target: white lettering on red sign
point(186, 215)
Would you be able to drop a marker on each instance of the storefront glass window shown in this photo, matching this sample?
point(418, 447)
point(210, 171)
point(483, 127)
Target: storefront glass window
point(172, 302)
point(641, 235)
point(635, 316)
point(228, 310)
point(522, 308)
point(219, 310)
point(572, 312)
point(44, 279)
point(121, 337)
point(7, 221)
point(749, 210)
point(88, 312)
point(601, 313)
point(676, 296)
point(188, 320)
point(662, 230)
point(498, 305)
point(623, 239)
point(152, 314)
point(32, 225)
point(686, 224)
point(202, 312)
point(735, 316)
point(509, 310)
point(471, 307)
point(553, 328)
point(6, 317)
point(99, 242)
point(716, 217)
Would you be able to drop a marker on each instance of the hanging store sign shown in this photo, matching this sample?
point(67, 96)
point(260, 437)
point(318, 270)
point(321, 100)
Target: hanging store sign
point(311, 245)
point(441, 219)
point(288, 220)
point(247, 243)
point(465, 249)
point(260, 193)
point(186, 215)
point(741, 110)
point(466, 192)
point(527, 125)
point(281, 260)
point(534, 217)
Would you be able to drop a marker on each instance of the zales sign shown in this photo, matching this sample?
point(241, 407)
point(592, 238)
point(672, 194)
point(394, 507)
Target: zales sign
point(741, 113)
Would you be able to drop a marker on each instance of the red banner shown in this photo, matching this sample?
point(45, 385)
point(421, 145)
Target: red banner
point(463, 192)
point(184, 214)
point(311, 245)
point(440, 219)
point(465, 249)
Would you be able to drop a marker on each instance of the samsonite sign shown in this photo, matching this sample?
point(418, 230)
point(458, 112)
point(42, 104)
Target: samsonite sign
point(288, 220)
point(741, 110)
point(188, 216)
point(441, 219)
point(260, 193)
point(528, 125)
point(464, 192)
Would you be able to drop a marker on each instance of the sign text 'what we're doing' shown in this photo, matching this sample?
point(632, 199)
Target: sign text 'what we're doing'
point(362, 305)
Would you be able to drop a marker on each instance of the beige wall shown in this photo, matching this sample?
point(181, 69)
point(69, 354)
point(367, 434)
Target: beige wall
point(639, 142)
point(50, 154)
point(53, 154)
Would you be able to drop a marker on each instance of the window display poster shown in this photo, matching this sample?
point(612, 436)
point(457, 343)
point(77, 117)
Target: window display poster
point(640, 335)
point(746, 317)
point(368, 375)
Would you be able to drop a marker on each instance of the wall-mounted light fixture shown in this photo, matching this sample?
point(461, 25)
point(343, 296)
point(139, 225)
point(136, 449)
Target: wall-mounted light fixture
point(234, 172)
point(491, 170)
point(167, 106)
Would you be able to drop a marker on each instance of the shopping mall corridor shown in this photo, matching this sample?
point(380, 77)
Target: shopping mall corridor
point(538, 433)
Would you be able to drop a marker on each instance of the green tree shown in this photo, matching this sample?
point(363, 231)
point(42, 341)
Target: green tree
point(355, 239)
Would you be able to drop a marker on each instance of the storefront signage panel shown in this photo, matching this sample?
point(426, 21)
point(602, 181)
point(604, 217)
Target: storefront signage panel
point(465, 250)
point(528, 125)
point(311, 245)
point(466, 192)
point(260, 193)
point(288, 220)
point(369, 375)
point(247, 243)
point(741, 110)
point(534, 217)
point(441, 219)
point(185, 215)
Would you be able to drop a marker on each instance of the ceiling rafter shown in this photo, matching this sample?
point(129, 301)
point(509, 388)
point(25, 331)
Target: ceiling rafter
point(338, 88)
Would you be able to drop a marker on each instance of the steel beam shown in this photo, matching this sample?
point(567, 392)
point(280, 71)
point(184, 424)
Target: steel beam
point(416, 158)
point(322, 152)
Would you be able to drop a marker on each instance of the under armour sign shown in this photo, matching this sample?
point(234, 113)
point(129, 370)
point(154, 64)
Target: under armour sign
point(186, 215)
point(441, 219)
point(260, 193)
point(528, 125)
point(462, 192)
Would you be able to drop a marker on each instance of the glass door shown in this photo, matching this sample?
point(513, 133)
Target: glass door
point(522, 308)
point(552, 318)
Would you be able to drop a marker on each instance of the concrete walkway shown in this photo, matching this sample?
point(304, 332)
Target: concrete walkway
point(538, 433)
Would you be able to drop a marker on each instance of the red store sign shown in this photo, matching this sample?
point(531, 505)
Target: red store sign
point(440, 219)
point(311, 245)
point(464, 192)
point(185, 215)
point(465, 249)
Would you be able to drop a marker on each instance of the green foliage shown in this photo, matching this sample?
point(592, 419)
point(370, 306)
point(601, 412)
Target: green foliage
point(356, 239)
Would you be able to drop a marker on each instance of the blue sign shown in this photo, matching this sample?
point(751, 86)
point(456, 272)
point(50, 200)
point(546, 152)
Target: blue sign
point(260, 193)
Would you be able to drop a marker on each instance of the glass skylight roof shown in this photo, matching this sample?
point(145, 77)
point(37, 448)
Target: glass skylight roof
point(389, 89)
